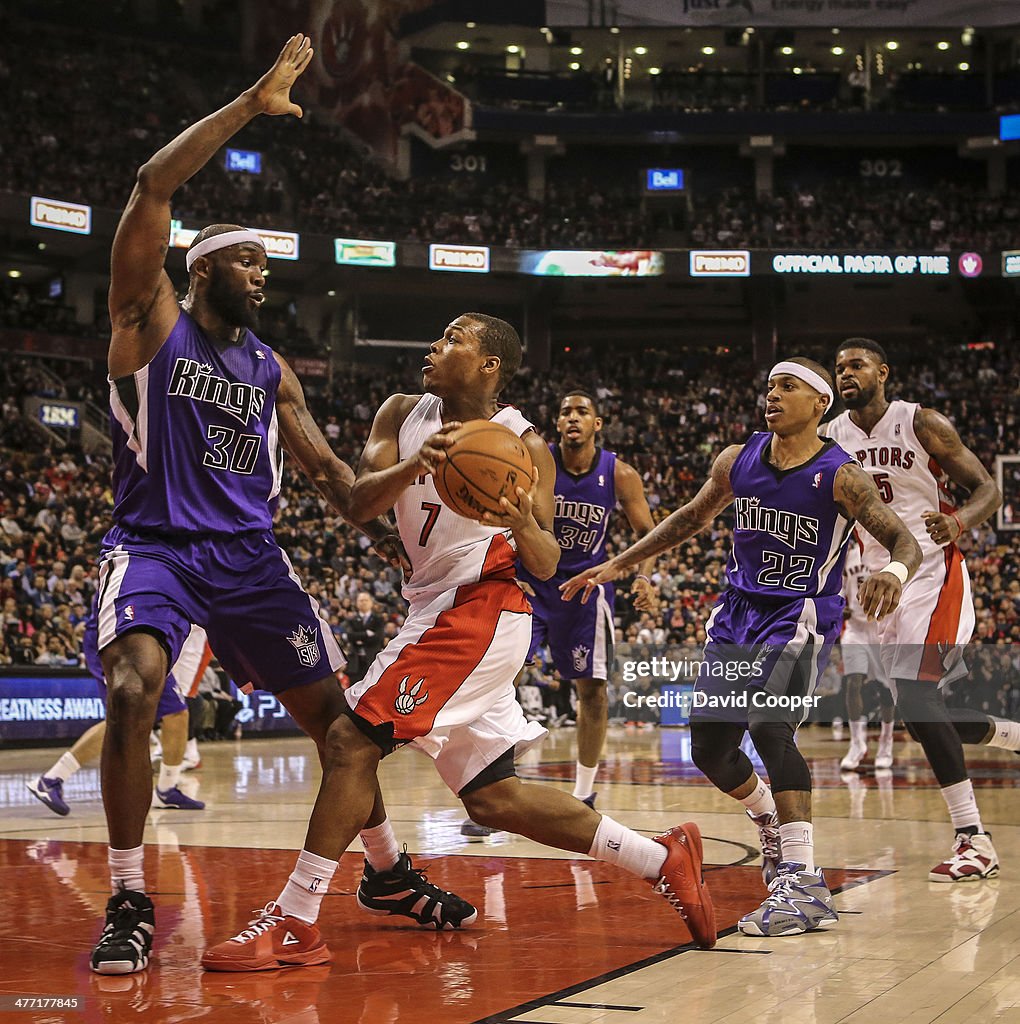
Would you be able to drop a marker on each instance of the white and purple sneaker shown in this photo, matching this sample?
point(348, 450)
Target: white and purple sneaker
point(51, 793)
point(174, 800)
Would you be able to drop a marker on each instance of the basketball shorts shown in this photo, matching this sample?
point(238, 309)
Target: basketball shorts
point(580, 636)
point(859, 648)
point(445, 683)
point(241, 589)
point(764, 656)
point(925, 636)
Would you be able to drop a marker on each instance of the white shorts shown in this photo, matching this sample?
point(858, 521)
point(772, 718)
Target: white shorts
point(859, 647)
point(445, 683)
point(925, 636)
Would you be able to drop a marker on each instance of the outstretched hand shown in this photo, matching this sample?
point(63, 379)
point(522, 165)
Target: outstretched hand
point(272, 90)
point(589, 579)
point(392, 550)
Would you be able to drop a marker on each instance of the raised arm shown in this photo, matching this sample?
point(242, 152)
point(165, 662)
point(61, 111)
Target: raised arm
point(143, 306)
point(858, 498)
point(630, 493)
point(715, 494)
point(301, 437)
point(943, 443)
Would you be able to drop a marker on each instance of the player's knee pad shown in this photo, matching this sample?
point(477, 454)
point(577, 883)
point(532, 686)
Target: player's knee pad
point(927, 719)
point(920, 701)
point(786, 767)
point(715, 750)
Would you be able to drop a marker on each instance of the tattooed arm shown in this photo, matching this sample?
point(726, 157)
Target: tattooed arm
point(942, 442)
point(681, 525)
point(858, 498)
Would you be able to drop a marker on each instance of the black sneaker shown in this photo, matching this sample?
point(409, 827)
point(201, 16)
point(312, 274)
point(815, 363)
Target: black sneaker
point(402, 890)
point(126, 942)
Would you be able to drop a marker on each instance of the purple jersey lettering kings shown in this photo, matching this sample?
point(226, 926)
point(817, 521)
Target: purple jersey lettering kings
point(584, 504)
point(195, 437)
point(789, 536)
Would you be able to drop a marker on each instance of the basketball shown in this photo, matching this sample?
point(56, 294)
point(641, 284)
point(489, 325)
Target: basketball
point(486, 462)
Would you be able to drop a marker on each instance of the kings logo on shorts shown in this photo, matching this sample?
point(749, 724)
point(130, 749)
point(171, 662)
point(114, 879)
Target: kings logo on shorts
point(580, 655)
point(305, 642)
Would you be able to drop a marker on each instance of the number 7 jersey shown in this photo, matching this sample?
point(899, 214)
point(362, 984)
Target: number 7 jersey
point(445, 549)
point(196, 438)
point(789, 535)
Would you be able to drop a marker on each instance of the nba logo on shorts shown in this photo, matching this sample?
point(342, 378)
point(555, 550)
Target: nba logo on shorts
point(304, 641)
point(580, 656)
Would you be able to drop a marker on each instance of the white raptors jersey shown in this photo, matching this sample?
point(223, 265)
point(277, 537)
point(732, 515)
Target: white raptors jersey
point(446, 550)
point(908, 478)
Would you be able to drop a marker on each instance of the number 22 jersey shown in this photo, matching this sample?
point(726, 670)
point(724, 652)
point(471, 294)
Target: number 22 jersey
point(789, 535)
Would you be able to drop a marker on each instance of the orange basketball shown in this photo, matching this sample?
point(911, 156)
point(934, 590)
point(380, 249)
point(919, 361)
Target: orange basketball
point(486, 462)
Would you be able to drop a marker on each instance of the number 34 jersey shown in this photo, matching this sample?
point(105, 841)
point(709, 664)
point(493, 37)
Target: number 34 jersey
point(789, 535)
point(196, 438)
point(907, 477)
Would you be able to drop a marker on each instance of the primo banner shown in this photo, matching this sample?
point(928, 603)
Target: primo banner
point(795, 13)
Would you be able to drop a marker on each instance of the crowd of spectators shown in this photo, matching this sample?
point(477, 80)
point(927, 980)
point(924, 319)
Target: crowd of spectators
point(851, 214)
point(140, 93)
point(667, 414)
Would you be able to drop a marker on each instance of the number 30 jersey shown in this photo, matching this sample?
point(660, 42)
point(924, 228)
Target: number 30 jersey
point(908, 478)
point(789, 535)
point(195, 437)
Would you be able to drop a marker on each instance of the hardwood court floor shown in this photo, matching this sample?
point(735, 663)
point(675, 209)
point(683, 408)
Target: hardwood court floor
point(557, 940)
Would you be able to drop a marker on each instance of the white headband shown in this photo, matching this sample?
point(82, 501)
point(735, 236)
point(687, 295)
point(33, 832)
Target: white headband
point(805, 374)
point(214, 242)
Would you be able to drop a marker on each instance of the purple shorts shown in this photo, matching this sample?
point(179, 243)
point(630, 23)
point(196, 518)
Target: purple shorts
point(761, 650)
point(171, 700)
point(580, 636)
point(240, 588)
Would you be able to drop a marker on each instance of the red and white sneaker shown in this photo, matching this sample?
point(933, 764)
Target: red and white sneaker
point(973, 858)
point(683, 884)
point(271, 940)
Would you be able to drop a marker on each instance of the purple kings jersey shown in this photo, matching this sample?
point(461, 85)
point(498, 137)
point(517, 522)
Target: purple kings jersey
point(789, 535)
point(195, 437)
point(584, 504)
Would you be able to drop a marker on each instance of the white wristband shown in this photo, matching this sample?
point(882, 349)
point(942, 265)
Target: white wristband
point(897, 569)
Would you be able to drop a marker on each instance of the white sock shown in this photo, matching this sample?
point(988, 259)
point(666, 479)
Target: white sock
point(963, 808)
point(1006, 735)
point(191, 751)
point(126, 869)
point(885, 737)
point(859, 732)
point(169, 776)
point(64, 768)
point(584, 785)
point(797, 840)
point(617, 844)
point(760, 801)
point(308, 883)
point(381, 850)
